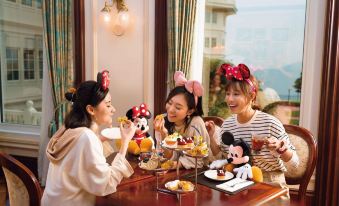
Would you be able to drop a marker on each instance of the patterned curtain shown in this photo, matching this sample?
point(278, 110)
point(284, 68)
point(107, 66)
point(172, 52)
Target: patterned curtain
point(58, 24)
point(180, 26)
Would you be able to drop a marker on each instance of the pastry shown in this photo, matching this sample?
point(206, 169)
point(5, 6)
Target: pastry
point(173, 185)
point(169, 164)
point(181, 143)
point(220, 174)
point(186, 186)
point(190, 142)
point(122, 119)
point(171, 140)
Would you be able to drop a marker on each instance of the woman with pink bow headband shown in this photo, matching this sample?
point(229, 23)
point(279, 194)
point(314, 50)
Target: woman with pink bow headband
point(184, 116)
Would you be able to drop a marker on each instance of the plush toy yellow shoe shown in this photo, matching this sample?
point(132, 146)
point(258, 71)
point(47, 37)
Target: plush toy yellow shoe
point(146, 145)
point(133, 147)
point(257, 174)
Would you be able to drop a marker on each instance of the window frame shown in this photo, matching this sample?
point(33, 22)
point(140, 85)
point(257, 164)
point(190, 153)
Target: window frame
point(8, 130)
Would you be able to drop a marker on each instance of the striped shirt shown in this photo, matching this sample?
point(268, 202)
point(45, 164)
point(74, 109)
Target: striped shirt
point(260, 124)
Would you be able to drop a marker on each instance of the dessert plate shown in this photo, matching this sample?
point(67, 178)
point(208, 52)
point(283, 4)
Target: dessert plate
point(111, 133)
point(212, 174)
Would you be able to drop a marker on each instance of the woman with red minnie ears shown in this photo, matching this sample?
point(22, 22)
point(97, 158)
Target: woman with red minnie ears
point(241, 90)
point(78, 170)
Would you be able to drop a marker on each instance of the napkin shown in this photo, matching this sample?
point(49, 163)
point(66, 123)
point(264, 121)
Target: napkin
point(235, 184)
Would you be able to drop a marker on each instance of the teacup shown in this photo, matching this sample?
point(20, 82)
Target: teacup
point(258, 141)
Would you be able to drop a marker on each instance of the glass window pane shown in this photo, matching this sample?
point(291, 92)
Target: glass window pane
point(27, 2)
point(21, 40)
point(267, 36)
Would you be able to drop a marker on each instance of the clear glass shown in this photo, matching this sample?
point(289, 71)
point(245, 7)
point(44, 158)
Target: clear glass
point(266, 35)
point(21, 62)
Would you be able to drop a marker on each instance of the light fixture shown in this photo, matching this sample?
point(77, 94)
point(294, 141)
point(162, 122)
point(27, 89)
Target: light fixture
point(121, 20)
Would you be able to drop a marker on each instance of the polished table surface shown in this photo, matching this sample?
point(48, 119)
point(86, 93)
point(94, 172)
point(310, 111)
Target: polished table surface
point(140, 189)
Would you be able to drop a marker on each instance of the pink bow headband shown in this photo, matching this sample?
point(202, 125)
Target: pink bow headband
point(240, 72)
point(192, 86)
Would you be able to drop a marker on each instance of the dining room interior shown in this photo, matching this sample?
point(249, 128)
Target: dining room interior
point(291, 47)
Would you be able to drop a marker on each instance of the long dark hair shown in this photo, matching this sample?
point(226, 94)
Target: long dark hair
point(189, 97)
point(88, 93)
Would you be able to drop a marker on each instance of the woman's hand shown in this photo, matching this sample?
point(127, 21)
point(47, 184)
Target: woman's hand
point(210, 126)
point(159, 125)
point(273, 143)
point(127, 130)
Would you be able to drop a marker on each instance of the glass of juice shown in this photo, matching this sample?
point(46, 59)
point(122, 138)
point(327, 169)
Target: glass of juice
point(258, 141)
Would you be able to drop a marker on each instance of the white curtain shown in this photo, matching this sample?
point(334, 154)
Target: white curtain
point(198, 42)
point(47, 115)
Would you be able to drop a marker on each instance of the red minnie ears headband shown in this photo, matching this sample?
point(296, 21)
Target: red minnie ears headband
point(103, 79)
point(240, 72)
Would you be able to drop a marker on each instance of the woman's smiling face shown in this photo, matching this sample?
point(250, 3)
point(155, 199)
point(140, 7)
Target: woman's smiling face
point(236, 100)
point(177, 109)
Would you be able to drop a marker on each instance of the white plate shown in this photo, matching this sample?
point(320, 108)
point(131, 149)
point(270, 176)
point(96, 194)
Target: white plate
point(111, 133)
point(212, 174)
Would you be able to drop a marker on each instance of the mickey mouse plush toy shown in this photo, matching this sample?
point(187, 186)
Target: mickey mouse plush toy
point(237, 159)
point(142, 141)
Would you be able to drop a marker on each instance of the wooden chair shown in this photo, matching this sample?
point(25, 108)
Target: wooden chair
point(306, 149)
point(23, 187)
point(217, 120)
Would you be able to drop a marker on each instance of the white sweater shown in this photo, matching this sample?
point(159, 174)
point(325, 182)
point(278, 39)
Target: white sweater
point(262, 124)
point(83, 174)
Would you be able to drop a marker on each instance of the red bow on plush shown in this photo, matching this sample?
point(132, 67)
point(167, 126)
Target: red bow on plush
point(140, 111)
point(239, 72)
point(105, 80)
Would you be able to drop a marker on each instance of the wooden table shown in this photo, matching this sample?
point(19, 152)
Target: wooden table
point(141, 189)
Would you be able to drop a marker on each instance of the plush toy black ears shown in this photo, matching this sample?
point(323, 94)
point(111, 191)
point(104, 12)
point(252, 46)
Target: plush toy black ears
point(227, 138)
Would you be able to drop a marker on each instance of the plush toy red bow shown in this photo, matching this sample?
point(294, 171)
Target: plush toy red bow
point(239, 72)
point(140, 111)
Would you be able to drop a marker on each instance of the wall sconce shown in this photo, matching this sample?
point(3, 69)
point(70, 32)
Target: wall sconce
point(122, 19)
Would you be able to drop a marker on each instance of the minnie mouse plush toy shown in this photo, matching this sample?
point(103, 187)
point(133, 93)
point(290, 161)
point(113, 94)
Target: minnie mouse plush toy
point(238, 159)
point(142, 140)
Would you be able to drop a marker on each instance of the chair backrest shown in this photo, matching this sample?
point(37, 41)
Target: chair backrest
point(23, 187)
point(217, 120)
point(306, 148)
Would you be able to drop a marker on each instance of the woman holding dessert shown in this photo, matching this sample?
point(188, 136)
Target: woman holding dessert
point(78, 170)
point(278, 152)
point(184, 118)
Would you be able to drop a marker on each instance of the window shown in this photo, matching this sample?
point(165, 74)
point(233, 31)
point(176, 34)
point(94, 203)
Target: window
point(213, 42)
point(28, 64)
point(21, 63)
point(214, 17)
point(38, 4)
point(274, 53)
point(12, 63)
point(208, 17)
point(27, 2)
point(40, 64)
point(207, 42)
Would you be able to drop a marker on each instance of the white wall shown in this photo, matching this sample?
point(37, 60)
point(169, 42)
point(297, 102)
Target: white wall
point(129, 58)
